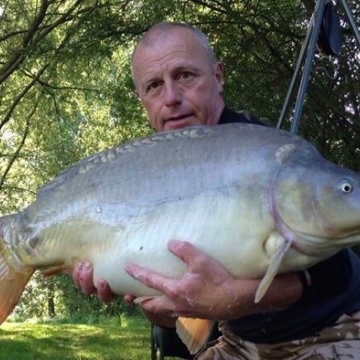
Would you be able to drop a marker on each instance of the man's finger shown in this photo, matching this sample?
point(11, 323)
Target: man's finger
point(84, 278)
point(187, 252)
point(159, 305)
point(104, 292)
point(148, 277)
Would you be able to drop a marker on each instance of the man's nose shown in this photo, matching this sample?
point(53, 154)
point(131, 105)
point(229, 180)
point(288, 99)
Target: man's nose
point(172, 94)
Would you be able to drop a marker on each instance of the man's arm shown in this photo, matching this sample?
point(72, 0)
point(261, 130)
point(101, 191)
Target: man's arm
point(206, 290)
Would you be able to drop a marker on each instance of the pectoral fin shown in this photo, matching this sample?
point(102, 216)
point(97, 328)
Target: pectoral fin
point(275, 262)
point(55, 270)
point(194, 332)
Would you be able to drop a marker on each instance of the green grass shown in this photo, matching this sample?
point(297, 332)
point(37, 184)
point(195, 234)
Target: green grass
point(21, 341)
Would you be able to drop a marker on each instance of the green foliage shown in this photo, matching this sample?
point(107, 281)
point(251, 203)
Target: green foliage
point(66, 91)
point(57, 298)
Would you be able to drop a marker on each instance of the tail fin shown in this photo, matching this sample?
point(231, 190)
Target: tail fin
point(12, 282)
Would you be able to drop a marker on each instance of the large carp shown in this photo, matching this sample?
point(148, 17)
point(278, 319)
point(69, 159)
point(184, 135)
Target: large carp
point(258, 200)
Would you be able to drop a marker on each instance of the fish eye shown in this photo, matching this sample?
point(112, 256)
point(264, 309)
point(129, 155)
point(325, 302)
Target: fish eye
point(346, 186)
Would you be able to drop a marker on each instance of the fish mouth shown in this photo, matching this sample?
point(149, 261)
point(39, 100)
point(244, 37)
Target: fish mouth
point(302, 249)
point(317, 247)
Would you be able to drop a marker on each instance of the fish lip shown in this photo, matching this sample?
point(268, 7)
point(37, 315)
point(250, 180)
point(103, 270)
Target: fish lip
point(301, 249)
point(323, 245)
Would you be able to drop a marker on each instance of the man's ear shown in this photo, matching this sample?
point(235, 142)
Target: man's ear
point(219, 74)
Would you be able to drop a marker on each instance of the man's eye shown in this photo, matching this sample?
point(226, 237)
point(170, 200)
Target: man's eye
point(152, 87)
point(186, 75)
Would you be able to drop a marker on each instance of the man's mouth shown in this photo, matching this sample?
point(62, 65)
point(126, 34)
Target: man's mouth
point(177, 122)
point(179, 117)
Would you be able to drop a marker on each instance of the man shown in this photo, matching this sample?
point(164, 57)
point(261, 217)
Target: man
point(302, 316)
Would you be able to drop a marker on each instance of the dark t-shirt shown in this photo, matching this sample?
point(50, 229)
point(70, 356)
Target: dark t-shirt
point(334, 291)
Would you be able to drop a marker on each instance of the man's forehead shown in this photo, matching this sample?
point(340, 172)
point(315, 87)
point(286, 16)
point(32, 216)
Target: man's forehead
point(159, 36)
point(179, 40)
point(172, 57)
point(168, 55)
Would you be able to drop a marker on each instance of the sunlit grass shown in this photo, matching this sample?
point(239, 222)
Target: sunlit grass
point(98, 342)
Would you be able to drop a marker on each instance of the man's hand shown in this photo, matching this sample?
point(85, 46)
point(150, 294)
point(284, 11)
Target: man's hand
point(207, 290)
point(83, 279)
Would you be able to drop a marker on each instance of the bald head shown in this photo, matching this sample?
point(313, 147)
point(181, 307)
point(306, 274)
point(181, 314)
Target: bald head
point(161, 32)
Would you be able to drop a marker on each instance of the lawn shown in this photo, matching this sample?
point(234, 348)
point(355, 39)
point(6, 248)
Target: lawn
point(21, 341)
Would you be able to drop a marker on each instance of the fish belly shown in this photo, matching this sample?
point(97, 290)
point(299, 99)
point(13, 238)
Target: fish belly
point(215, 222)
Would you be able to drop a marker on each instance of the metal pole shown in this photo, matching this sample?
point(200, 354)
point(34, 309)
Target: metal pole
point(309, 45)
point(319, 11)
point(351, 20)
point(299, 64)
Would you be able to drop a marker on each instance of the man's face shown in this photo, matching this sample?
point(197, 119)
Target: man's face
point(177, 83)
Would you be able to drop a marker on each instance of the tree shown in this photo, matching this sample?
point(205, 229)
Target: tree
point(66, 89)
point(51, 97)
